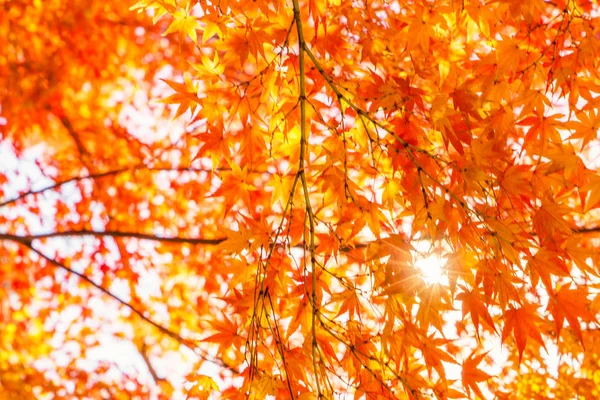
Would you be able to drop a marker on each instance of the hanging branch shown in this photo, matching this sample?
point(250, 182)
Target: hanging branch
point(164, 330)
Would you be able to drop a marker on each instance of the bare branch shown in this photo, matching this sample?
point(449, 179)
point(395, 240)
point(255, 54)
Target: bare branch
point(143, 352)
point(115, 234)
point(595, 229)
point(84, 155)
point(116, 172)
point(166, 331)
point(183, 240)
point(59, 184)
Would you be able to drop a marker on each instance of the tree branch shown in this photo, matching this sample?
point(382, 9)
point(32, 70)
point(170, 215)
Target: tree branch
point(595, 229)
point(99, 176)
point(143, 352)
point(116, 172)
point(59, 184)
point(83, 153)
point(182, 240)
point(166, 331)
point(115, 234)
point(310, 235)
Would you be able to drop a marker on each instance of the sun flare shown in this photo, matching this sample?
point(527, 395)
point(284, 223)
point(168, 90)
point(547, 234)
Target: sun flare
point(431, 269)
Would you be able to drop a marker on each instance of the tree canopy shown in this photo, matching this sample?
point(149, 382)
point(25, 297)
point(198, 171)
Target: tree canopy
point(305, 199)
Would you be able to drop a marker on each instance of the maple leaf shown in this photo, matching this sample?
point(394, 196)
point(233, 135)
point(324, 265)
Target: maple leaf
point(593, 193)
point(586, 128)
point(210, 67)
point(458, 266)
point(237, 241)
point(509, 54)
point(549, 222)
point(213, 27)
point(471, 375)
point(498, 282)
point(572, 305)
point(226, 336)
point(401, 277)
point(433, 355)
point(473, 305)
point(523, 322)
point(186, 96)
point(184, 24)
point(160, 8)
point(544, 129)
point(350, 304)
point(545, 264)
point(203, 387)
point(422, 29)
point(282, 190)
point(434, 300)
point(266, 385)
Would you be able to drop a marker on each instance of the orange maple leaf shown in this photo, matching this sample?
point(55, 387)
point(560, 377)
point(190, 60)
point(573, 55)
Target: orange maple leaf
point(472, 304)
point(572, 305)
point(523, 322)
point(186, 96)
point(471, 375)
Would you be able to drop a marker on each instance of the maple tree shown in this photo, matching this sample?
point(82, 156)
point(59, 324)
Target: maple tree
point(301, 199)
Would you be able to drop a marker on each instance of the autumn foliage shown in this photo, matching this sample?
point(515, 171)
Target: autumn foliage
point(305, 199)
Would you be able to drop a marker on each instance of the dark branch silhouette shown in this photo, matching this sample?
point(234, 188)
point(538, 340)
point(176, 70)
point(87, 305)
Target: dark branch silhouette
point(112, 173)
point(115, 234)
point(166, 331)
point(99, 176)
point(176, 239)
point(27, 241)
point(595, 229)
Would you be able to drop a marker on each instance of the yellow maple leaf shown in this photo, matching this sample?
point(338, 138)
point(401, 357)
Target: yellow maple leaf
point(186, 96)
point(203, 388)
point(184, 23)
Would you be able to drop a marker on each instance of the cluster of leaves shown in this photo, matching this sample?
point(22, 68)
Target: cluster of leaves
point(327, 147)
